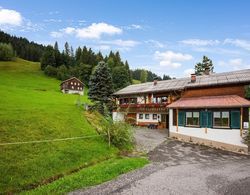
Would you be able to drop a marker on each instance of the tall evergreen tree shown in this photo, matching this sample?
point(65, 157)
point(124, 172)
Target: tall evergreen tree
point(120, 76)
point(48, 58)
point(78, 54)
point(201, 66)
point(67, 49)
point(100, 85)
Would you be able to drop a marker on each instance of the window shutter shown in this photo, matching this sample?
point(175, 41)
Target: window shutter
point(203, 119)
point(235, 119)
point(181, 118)
point(209, 119)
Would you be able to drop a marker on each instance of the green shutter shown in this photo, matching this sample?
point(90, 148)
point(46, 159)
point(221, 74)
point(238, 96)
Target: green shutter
point(235, 119)
point(206, 119)
point(203, 119)
point(181, 118)
point(209, 119)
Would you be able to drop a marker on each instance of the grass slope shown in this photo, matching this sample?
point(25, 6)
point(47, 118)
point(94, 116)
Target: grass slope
point(33, 108)
point(136, 81)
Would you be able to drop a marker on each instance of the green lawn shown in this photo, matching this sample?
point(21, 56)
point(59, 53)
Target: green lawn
point(33, 108)
point(136, 81)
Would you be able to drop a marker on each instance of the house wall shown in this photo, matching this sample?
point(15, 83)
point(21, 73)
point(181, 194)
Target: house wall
point(72, 84)
point(73, 92)
point(118, 116)
point(144, 121)
point(214, 91)
point(222, 138)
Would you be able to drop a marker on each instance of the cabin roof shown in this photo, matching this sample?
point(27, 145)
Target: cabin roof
point(71, 79)
point(211, 102)
point(215, 79)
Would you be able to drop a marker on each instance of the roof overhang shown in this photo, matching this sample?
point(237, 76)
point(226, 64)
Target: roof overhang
point(226, 101)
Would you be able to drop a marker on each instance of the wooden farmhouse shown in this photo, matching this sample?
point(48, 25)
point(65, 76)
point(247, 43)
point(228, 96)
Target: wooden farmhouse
point(209, 109)
point(72, 86)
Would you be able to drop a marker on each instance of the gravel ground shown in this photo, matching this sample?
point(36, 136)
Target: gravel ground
point(182, 168)
point(148, 139)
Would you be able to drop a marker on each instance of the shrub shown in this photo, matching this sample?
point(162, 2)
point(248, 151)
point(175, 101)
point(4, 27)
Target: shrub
point(50, 71)
point(120, 134)
point(6, 52)
point(62, 73)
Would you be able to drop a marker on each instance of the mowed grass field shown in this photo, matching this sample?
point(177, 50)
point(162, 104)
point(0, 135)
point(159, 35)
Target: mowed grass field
point(33, 108)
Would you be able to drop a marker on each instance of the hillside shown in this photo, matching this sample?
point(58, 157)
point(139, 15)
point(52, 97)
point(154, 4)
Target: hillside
point(33, 108)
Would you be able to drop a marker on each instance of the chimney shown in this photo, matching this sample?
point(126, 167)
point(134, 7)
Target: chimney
point(207, 71)
point(193, 78)
point(155, 80)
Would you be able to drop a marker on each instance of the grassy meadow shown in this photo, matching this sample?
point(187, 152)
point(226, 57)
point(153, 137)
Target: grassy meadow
point(33, 108)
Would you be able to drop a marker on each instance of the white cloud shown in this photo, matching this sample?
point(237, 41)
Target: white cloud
point(200, 42)
point(155, 43)
point(171, 59)
point(96, 30)
point(235, 64)
point(56, 34)
point(10, 17)
point(134, 27)
point(121, 43)
point(68, 30)
point(238, 43)
point(188, 72)
point(52, 20)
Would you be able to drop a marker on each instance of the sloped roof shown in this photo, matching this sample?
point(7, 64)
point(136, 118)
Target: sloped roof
point(234, 77)
point(71, 79)
point(211, 102)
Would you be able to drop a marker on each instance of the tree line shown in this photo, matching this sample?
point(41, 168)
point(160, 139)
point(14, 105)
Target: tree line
point(144, 75)
point(82, 62)
point(22, 47)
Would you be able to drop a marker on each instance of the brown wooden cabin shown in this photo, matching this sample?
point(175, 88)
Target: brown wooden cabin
point(72, 86)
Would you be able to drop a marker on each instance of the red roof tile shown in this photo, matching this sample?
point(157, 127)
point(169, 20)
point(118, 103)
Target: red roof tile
point(227, 101)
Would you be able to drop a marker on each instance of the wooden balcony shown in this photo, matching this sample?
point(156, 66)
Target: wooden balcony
point(150, 107)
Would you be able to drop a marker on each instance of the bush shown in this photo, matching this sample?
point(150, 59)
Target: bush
point(50, 71)
point(62, 73)
point(120, 134)
point(6, 52)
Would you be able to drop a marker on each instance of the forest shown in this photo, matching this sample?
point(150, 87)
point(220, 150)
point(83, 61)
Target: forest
point(79, 63)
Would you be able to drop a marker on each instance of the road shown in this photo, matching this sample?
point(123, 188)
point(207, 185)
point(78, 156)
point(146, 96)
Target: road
point(183, 168)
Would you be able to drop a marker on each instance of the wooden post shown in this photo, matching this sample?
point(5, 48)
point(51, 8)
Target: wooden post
point(241, 120)
point(206, 130)
point(177, 120)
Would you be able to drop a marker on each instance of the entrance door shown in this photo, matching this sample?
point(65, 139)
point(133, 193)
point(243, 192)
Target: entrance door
point(165, 121)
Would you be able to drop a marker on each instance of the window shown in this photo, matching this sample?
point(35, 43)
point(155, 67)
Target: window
point(192, 118)
point(72, 87)
point(133, 100)
point(140, 116)
point(154, 116)
point(146, 116)
point(71, 83)
point(78, 84)
point(75, 83)
point(221, 119)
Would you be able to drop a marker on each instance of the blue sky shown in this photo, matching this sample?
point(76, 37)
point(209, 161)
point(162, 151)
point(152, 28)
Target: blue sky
point(166, 37)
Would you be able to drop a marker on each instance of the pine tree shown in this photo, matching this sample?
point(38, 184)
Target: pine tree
point(201, 66)
point(66, 49)
point(100, 85)
point(120, 76)
point(48, 58)
point(78, 54)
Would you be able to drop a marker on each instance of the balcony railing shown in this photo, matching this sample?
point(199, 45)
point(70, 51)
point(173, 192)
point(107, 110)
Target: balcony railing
point(150, 107)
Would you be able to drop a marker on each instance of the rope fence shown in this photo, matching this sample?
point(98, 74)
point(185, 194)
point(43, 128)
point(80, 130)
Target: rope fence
point(50, 140)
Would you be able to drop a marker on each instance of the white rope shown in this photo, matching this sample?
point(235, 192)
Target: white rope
point(49, 140)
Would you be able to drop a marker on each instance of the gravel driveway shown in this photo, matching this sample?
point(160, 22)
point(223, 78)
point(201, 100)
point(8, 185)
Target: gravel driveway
point(183, 168)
